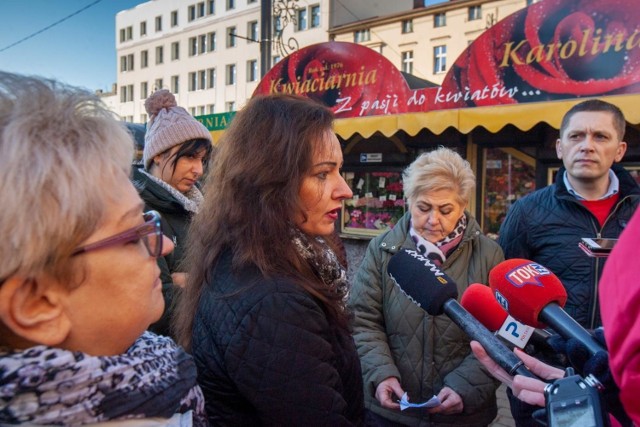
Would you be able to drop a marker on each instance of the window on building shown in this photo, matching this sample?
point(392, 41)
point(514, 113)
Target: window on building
point(175, 84)
point(193, 81)
point(212, 41)
point(407, 26)
point(144, 90)
point(174, 18)
point(158, 23)
point(252, 32)
point(231, 74)
point(159, 55)
point(193, 46)
point(201, 110)
point(407, 61)
point(231, 4)
point(315, 16)
point(144, 59)
point(252, 70)
point(126, 62)
point(231, 37)
point(192, 111)
point(200, 9)
point(191, 15)
point(175, 51)
point(475, 12)
point(130, 32)
point(211, 7)
point(301, 25)
point(362, 36)
point(211, 108)
point(439, 20)
point(277, 25)
point(202, 79)
point(143, 118)
point(159, 84)
point(123, 35)
point(126, 93)
point(439, 59)
point(211, 78)
point(202, 43)
point(143, 28)
point(231, 106)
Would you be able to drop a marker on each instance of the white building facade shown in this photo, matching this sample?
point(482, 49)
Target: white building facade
point(207, 52)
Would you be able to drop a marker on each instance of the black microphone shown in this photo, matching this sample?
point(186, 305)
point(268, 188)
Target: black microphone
point(433, 291)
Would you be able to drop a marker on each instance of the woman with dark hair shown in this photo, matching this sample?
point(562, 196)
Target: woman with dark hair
point(264, 310)
point(176, 151)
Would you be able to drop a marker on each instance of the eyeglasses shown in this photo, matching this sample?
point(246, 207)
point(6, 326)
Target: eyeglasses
point(150, 233)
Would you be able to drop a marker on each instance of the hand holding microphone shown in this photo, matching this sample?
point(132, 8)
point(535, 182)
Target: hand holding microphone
point(535, 296)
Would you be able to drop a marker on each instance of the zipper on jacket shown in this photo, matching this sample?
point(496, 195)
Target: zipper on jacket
point(594, 299)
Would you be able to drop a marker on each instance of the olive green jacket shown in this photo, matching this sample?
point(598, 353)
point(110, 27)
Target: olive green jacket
point(396, 338)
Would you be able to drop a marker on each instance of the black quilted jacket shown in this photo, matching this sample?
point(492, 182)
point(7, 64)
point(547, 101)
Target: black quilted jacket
point(267, 355)
point(546, 226)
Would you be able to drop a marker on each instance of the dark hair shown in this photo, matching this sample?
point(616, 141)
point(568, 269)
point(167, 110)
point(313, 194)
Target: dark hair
point(252, 197)
point(188, 148)
point(596, 105)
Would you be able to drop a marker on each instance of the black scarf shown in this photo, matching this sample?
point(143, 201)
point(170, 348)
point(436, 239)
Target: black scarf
point(45, 385)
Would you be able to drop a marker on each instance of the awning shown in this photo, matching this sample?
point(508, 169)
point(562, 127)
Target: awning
point(522, 116)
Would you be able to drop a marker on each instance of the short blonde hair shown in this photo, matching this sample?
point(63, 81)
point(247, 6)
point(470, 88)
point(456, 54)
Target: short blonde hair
point(440, 169)
point(61, 151)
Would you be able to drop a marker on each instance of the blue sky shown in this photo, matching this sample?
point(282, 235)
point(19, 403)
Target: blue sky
point(79, 51)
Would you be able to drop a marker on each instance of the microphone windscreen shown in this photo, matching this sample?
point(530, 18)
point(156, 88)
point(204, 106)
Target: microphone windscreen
point(478, 300)
point(524, 288)
point(421, 280)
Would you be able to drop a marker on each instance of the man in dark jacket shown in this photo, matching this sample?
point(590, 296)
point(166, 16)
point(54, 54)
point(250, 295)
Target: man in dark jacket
point(592, 197)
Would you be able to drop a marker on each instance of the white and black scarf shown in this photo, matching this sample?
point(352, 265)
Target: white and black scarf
point(438, 251)
point(191, 200)
point(324, 261)
point(45, 385)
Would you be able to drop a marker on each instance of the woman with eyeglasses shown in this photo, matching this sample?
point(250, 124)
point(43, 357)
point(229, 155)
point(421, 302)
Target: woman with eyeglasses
point(176, 151)
point(79, 281)
point(264, 310)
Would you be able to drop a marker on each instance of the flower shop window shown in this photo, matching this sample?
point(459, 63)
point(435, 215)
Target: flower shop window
point(509, 174)
point(377, 203)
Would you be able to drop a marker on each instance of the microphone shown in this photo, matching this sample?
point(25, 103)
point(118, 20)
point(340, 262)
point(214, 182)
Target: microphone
point(478, 300)
point(535, 296)
point(432, 290)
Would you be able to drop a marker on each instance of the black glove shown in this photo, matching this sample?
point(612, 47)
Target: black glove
point(597, 365)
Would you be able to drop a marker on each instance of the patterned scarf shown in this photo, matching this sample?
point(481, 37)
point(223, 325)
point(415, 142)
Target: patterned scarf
point(438, 251)
point(324, 261)
point(45, 385)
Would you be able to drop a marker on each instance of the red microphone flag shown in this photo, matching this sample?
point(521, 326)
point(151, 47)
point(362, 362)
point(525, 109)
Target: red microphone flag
point(524, 288)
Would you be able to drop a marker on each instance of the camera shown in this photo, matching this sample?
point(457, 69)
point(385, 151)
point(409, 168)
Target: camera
point(574, 401)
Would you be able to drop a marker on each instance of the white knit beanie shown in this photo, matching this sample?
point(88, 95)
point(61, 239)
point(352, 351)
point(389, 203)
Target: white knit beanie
point(168, 126)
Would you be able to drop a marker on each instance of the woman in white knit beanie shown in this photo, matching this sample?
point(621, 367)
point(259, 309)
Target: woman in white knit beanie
point(176, 151)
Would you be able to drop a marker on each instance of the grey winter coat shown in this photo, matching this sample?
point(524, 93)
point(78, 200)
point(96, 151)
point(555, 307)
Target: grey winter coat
point(396, 338)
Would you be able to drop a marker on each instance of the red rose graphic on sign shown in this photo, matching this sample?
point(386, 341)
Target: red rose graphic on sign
point(554, 49)
point(352, 80)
